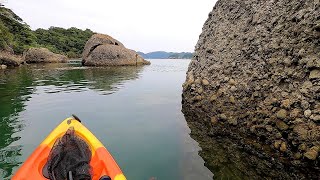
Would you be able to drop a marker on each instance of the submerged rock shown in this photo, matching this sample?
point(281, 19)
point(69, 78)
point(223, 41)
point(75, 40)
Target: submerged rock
point(262, 61)
point(43, 55)
point(103, 50)
point(312, 154)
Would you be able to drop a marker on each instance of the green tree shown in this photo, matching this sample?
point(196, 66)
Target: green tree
point(70, 41)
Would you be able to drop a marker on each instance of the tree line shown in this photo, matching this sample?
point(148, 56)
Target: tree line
point(16, 36)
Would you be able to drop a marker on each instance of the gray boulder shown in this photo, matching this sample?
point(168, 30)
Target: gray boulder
point(43, 55)
point(103, 50)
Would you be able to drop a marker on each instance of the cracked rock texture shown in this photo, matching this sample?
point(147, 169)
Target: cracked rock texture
point(103, 50)
point(255, 78)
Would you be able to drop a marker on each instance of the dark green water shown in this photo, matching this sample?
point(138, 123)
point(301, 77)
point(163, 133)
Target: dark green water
point(134, 111)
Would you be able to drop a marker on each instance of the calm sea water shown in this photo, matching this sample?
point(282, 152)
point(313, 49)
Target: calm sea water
point(134, 111)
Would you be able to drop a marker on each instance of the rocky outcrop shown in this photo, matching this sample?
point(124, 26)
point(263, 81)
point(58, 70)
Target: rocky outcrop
point(8, 59)
point(103, 50)
point(43, 55)
point(255, 79)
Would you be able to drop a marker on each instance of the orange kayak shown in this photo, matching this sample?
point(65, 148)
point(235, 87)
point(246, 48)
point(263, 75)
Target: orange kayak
point(102, 163)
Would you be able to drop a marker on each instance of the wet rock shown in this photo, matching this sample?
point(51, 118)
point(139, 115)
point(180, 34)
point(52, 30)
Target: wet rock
point(305, 104)
point(232, 99)
point(233, 89)
point(283, 147)
point(307, 85)
point(286, 103)
point(302, 147)
point(213, 98)
point(314, 74)
point(3, 66)
point(314, 135)
point(205, 82)
point(190, 80)
point(307, 113)
point(312, 153)
point(315, 118)
point(269, 128)
point(232, 82)
point(312, 61)
point(232, 121)
point(281, 125)
point(277, 144)
point(287, 62)
point(298, 121)
point(200, 90)
point(222, 117)
point(301, 130)
point(295, 113)
point(282, 114)
point(197, 81)
point(198, 98)
point(297, 155)
point(214, 120)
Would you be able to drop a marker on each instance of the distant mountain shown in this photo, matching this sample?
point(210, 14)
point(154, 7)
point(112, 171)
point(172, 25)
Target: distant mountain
point(166, 55)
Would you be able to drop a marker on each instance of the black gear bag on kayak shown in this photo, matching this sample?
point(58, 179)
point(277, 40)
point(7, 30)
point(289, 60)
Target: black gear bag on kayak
point(69, 159)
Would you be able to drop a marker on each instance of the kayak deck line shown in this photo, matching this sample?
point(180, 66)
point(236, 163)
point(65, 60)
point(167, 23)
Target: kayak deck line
point(102, 162)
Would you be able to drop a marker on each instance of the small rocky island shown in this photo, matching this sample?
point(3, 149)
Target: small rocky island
point(21, 45)
point(251, 96)
point(103, 50)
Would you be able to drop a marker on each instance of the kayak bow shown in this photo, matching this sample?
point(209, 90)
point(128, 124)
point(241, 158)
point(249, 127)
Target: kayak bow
point(102, 162)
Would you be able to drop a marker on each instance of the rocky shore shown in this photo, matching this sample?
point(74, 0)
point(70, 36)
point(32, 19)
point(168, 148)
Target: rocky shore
point(8, 59)
point(254, 83)
point(43, 55)
point(32, 55)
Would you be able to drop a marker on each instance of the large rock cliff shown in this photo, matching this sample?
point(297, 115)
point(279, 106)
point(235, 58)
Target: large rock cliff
point(255, 79)
point(103, 50)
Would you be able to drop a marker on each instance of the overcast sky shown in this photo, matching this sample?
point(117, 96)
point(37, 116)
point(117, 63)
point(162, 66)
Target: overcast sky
point(142, 25)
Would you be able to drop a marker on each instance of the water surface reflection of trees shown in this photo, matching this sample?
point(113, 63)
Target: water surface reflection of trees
point(17, 86)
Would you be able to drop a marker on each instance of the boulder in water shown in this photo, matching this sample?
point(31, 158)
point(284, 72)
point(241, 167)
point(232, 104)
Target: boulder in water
point(43, 55)
point(103, 50)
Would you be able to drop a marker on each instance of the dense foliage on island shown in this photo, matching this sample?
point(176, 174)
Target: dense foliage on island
point(166, 55)
point(14, 33)
point(16, 36)
point(63, 41)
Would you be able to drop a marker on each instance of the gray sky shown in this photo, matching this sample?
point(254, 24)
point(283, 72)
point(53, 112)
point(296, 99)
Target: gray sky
point(142, 25)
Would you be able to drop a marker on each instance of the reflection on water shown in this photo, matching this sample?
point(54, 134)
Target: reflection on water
point(68, 78)
point(229, 156)
point(13, 94)
point(134, 111)
point(16, 86)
